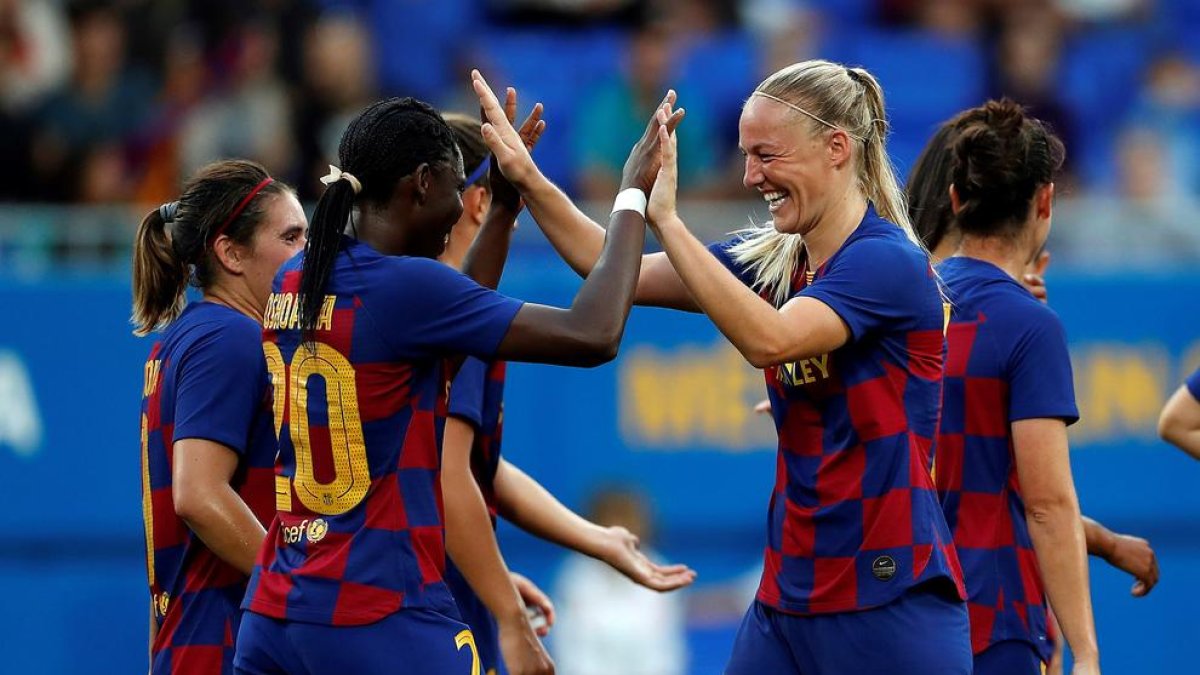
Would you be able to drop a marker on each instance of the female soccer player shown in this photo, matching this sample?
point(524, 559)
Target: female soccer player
point(837, 303)
point(208, 445)
point(1002, 458)
point(1179, 423)
point(928, 192)
point(478, 484)
point(350, 578)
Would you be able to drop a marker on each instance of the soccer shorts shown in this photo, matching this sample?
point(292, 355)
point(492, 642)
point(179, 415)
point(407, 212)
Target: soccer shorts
point(1010, 657)
point(408, 642)
point(924, 632)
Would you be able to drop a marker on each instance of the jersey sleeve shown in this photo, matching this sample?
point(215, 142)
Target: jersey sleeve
point(221, 384)
point(1040, 382)
point(466, 392)
point(721, 251)
point(431, 310)
point(1193, 384)
point(873, 285)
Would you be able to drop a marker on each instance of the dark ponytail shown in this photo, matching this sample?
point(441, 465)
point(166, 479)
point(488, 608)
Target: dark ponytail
point(164, 263)
point(385, 143)
point(1001, 157)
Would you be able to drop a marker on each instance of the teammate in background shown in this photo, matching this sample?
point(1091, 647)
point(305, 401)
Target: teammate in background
point(208, 445)
point(361, 326)
point(928, 193)
point(478, 484)
point(1179, 423)
point(838, 304)
point(1003, 467)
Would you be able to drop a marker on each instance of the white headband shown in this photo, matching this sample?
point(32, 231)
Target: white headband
point(336, 174)
point(798, 109)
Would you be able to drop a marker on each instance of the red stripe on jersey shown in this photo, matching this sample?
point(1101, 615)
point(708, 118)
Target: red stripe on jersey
point(197, 660)
point(772, 566)
point(889, 519)
point(835, 581)
point(169, 529)
point(960, 339)
point(921, 555)
point(948, 468)
point(925, 349)
point(258, 491)
point(277, 585)
point(802, 432)
point(385, 509)
point(328, 561)
point(986, 407)
point(420, 443)
point(799, 532)
point(840, 476)
point(430, 547)
point(876, 409)
point(206, 570)
point(353, 599)
point(981, 618)
point(384, 389)
point(982, 521)
point(1031, 577)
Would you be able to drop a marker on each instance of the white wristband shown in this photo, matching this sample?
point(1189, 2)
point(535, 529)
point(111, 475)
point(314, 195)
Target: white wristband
point(630, 199)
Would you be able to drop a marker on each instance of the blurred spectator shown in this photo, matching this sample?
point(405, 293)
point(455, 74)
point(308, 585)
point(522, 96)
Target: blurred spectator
point(34, 52)
point(607, 624)
point(1146, 225)
point(615, 116)
point(102, 106)
point(250, 116)
point(339, 80)
point(1170, 104)
point(787, 31)
point(567, 12)
point(1028, 57)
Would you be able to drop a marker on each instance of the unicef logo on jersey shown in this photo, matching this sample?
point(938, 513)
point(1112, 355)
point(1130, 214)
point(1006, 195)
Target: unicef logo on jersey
point(311, 531)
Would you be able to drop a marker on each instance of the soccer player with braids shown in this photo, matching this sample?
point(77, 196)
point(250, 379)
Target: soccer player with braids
point(363, 328)
point(479, 485)
point(1003, 468)
point(208, 442)
point(837, 303)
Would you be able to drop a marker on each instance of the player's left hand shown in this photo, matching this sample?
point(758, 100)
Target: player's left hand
point(533, 596)
point(661, 207)
point(622, 552)
point(1135, 556)
point(531, 130)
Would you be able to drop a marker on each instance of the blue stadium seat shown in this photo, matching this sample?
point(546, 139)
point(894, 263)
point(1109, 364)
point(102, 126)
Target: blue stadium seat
point(720, 70)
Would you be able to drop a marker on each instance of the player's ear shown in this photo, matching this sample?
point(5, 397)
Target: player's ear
point(230, 256)
point(422, 179)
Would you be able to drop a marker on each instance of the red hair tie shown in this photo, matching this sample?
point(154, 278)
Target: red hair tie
point(237, 211)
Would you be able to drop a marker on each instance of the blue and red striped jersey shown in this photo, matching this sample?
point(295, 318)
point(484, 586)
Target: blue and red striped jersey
point(206, 379)
point(854, 519)
point(1006, 361)
point(359, 533)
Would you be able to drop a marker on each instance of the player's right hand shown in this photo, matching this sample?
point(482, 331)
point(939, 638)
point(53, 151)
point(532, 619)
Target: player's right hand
point(523, 653)
point(1135, 556)
point(508, 147)
point(644, 161)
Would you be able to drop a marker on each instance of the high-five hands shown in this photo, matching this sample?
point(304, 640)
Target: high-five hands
point(530, 131)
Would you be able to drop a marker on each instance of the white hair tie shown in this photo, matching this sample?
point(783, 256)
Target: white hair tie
point(336, 174)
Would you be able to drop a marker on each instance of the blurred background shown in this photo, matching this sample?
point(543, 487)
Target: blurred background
point(106, 106)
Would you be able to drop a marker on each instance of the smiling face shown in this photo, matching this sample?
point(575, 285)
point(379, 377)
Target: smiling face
point(788, 163)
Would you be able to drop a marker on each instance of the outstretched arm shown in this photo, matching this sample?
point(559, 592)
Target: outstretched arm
point(525, 503)
point(589, 332)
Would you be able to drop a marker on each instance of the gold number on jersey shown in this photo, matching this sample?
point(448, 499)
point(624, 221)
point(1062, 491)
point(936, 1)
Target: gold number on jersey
point(351, 472)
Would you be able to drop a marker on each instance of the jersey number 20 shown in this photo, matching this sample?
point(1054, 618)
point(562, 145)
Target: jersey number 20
point(351, 472)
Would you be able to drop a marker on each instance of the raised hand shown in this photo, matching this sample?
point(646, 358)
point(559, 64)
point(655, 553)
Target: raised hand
point(661, 207)
point(623, 554)
point(531, 130)
point(641, 167)
point(508, 148)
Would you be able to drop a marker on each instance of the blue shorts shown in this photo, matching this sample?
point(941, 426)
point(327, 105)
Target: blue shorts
point(1011, 657)
point(409, 642)
point(476, 615)
point(924, 632)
